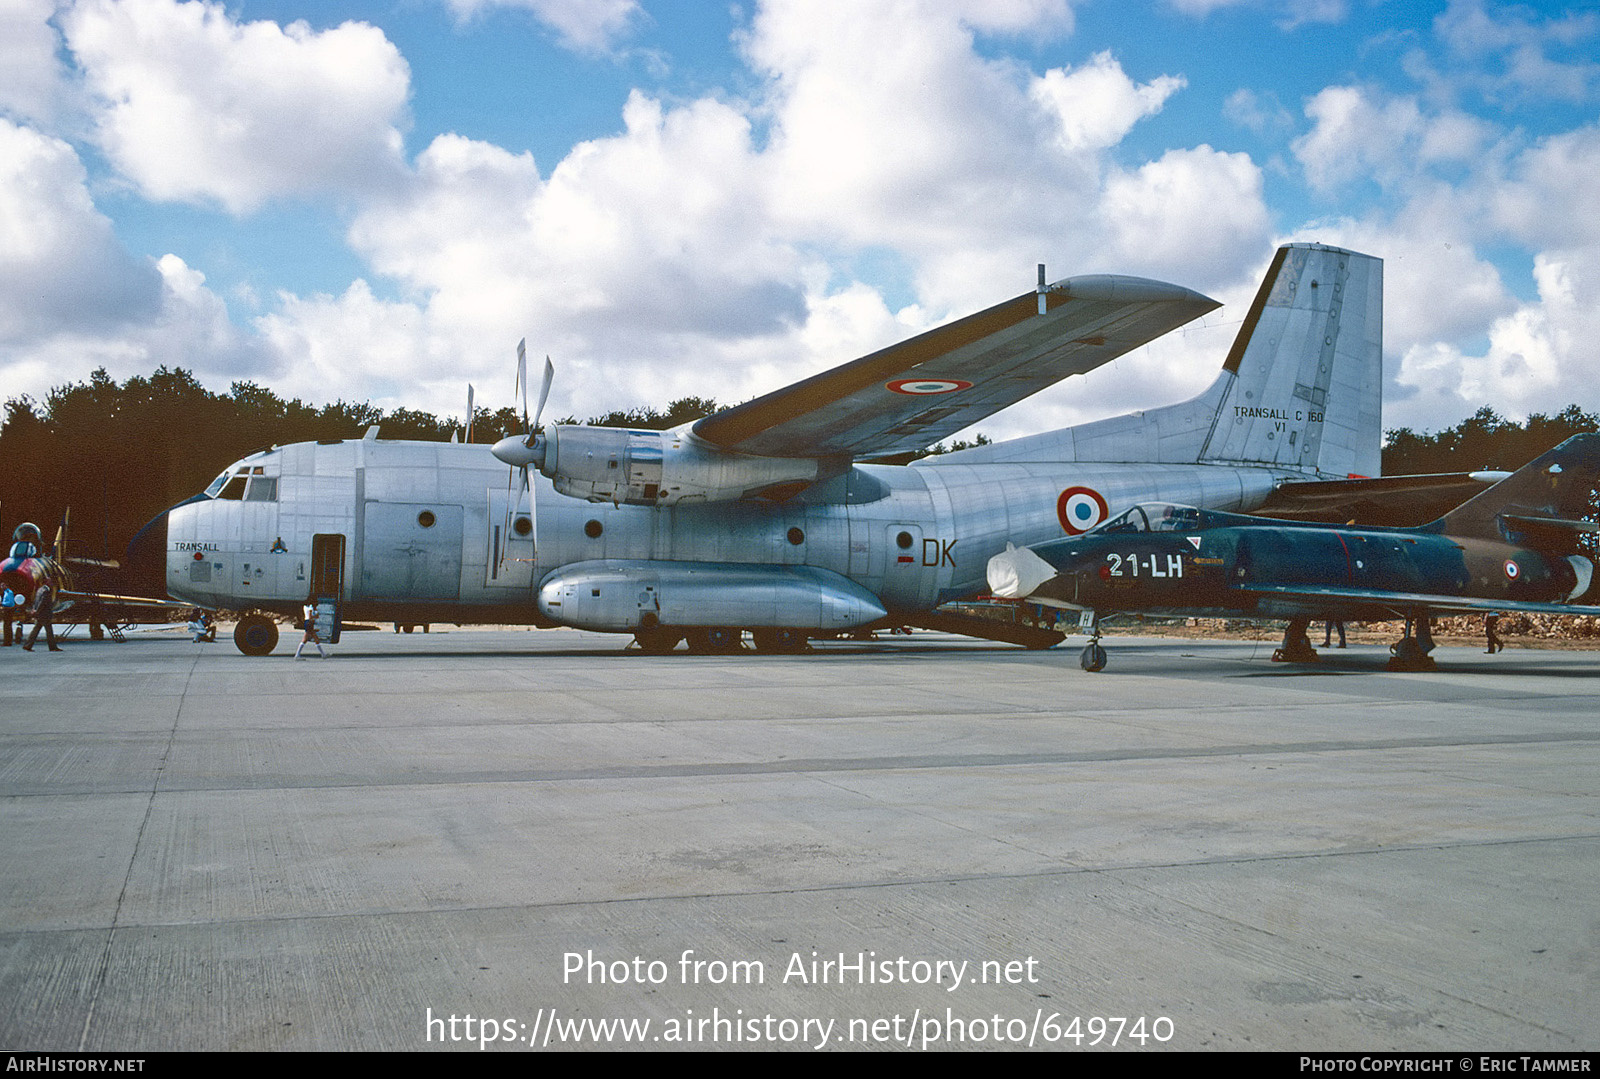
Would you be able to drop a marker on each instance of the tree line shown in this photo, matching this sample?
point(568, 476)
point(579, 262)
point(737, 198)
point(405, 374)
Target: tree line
point(118, 454)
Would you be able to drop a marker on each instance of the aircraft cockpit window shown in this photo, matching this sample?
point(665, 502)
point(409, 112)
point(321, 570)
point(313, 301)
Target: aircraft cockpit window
point(263, 489)
point(1132, 519)
point(233, 489)
point(1154, 517)
point(1171, 518)
point(216, 486)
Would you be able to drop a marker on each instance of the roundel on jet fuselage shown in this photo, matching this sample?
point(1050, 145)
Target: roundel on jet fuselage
point(1080, 509)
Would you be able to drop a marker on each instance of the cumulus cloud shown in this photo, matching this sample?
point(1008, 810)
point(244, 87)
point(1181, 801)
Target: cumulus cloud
point(1535, 355)
point(1097, 104)
point(896, 132)
point(61, 266)
point(72, 298)
point(707, 247)
point(33, 83)
point(1359, 133)
point(639, 250)
point(1515, 52)
point(683, 255)
point(193, 106)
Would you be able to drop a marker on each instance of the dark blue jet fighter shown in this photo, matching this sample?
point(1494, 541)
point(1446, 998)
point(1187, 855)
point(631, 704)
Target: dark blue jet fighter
point(1515, 547)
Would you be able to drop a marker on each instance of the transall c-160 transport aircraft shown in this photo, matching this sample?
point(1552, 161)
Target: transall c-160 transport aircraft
point(771, 517)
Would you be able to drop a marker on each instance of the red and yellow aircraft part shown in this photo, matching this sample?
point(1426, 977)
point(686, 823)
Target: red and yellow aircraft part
point(20, 578)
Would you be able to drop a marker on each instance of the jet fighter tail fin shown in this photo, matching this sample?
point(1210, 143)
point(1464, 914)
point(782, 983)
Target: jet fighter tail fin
point(1546, 501)
point(1301, 388)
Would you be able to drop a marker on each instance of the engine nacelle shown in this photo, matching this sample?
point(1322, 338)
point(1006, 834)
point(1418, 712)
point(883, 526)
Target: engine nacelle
point(664, 468)
point(615, 595)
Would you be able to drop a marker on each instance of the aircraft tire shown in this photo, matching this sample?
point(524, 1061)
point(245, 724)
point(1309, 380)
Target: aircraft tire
point(779, 640)
point(1093, 658)
point(715, 640)
point(256, 635)
point(1407, 654)
point(657, 640)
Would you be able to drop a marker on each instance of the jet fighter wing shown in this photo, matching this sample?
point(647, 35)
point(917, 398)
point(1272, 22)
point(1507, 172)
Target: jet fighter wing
point(1391, 501)
point(1400, 602)
point(912, 394)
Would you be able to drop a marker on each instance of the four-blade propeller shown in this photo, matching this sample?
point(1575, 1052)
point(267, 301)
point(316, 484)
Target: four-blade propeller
point(521, 451)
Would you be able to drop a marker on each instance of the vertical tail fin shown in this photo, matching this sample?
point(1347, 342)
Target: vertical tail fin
point(1546, 498)
point(1302, 387)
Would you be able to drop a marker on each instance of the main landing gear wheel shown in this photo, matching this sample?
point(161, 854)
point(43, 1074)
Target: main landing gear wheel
point(779, 640)
point(256, 635)
point(1093, 658)
point(1296, 647)
point(657, 640)
point(715, 640)
point(1410, 652)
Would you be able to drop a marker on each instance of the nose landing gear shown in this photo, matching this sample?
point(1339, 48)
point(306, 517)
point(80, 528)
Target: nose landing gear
point(1093, 657)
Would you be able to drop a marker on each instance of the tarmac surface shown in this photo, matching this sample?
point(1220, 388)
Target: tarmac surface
point(200, 850)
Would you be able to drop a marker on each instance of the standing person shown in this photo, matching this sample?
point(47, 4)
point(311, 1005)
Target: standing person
point(310, 625)
point(26, 546)
point(1327, 633)
point(44, 606)
point(1494, 643)
point(11, 611)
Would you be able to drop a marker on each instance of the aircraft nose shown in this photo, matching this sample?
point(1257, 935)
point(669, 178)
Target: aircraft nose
point(146, 559)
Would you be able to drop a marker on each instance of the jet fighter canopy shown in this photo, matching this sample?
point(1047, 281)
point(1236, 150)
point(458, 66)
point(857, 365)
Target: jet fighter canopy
point(1158, 517)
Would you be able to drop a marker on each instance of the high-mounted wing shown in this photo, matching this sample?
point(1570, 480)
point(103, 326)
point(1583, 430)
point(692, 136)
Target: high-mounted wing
point(913, 394)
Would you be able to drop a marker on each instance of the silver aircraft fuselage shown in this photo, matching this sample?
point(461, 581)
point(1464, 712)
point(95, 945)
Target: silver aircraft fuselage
point(425, 534)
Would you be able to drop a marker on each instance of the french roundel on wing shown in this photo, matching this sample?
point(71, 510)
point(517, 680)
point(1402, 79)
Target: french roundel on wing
point(1080, 509)
point(920, 387)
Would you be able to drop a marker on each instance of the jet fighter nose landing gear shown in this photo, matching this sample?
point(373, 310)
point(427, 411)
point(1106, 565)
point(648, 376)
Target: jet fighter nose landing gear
point(1093, 657)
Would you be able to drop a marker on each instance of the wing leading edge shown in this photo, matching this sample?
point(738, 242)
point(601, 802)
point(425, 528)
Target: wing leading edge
point(1353, 604)
point(914, 393)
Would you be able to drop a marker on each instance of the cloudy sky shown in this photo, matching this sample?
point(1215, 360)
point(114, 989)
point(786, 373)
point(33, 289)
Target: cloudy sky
point(375, 200)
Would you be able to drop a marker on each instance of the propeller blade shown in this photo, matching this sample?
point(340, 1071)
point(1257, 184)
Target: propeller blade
point(544, 391)
point(469, 413)
point(533, 509)
point(522, 380)
point(515, 448)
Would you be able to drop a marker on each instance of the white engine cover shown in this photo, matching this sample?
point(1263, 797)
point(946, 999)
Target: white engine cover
point(612, 595)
